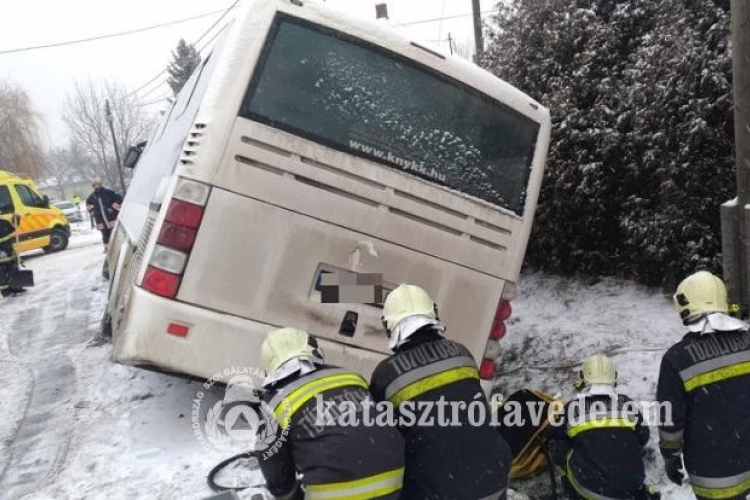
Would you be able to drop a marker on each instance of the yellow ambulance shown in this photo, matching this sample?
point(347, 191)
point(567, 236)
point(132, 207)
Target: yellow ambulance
point(38, 224)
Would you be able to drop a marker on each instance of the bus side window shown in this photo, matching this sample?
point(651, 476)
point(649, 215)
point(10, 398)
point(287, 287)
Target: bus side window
point(6, 202)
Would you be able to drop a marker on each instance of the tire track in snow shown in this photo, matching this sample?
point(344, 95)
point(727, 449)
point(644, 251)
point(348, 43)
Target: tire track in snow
point(50, 318)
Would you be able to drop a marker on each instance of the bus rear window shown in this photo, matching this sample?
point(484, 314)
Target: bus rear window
point(366, 101)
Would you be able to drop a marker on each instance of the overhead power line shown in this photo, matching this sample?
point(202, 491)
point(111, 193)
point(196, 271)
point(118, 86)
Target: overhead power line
point(216, 23)
point(155, 77)
point(162, 72)
point(436, 19)
point(154, 89)
point(112, 35)
point(208, 42)
point(161, 99)
point(185, 20)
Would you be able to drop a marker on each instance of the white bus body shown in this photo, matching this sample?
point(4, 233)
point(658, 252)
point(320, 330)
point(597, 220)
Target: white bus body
point(306, 143)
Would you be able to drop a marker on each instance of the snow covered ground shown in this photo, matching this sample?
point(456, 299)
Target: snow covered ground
point(558, 322)
point(75, 425)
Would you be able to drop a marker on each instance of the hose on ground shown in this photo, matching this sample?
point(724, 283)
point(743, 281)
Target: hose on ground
point(211, 479)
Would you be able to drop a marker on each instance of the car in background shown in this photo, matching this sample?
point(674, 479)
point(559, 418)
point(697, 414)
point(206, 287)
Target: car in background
point(71, 211)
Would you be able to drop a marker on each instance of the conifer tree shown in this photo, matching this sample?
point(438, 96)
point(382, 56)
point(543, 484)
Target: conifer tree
point(640, 160)
point(185, 58)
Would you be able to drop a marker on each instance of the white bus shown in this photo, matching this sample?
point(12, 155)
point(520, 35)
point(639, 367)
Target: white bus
point(309, 143)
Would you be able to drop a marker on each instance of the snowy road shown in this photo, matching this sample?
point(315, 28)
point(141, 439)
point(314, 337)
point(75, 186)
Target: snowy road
point(44, 323)
point(75, 425)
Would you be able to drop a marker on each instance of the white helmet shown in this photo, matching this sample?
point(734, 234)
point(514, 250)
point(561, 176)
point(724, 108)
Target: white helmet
point(698, 294)
point(406, 301)
point(284, 344)
point(599, 369)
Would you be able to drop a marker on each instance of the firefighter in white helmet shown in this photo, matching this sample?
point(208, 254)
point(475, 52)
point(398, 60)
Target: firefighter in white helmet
point(598, 440)
point(705, 381)
point(467, 460)
point(336, 459)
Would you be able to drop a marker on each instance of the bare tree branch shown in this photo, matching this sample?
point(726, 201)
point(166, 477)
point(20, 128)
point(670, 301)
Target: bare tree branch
point(84, 114)
point(20, 144)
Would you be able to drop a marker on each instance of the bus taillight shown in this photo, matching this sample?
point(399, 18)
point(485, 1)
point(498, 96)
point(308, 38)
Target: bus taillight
point(498, 323)
point(487, 369)
point(497, 331)
point(161, 282)
point(184, 214)
point(176, 238)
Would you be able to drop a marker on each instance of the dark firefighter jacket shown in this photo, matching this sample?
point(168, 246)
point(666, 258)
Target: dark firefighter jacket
point(706, 380)
point(599, 442)
point(461, 462)
point(7, 256)
point(6, 236)
point(338, 459)
point(106, 206)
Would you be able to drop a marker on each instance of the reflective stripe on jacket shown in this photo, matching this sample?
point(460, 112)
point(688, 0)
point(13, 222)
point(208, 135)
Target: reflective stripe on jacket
point(721, 487)
point(416, 382)
point(296, 394)
point(466, 460)
point(375, 486)
point(352, 461)
point(704, 392)
point(599, 441)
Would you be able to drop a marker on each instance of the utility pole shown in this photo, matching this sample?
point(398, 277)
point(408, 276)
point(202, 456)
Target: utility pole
point(735, 214)
point(108, 112)
point(450, 43)
point(478, 40)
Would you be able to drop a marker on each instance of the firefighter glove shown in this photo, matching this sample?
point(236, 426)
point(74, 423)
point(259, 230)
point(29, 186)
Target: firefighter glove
point(673, 467)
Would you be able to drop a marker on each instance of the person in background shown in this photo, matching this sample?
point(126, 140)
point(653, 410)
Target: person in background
point(704, 380)
point(103, 206)
point(599, 440)
point(467, 460)
point(8, 259)
point(336, 460)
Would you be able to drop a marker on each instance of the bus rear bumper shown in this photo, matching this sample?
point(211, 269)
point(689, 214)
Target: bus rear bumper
point(213, 342)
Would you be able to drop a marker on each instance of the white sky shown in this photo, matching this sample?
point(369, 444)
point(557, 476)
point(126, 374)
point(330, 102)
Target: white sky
point(48, 75)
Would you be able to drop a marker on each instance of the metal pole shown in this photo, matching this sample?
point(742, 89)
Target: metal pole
point(478, 40)
point(108, 112)
point(735, 215)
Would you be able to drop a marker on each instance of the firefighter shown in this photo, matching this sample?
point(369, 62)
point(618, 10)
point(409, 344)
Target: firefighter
point(103, 206)
point(466, 460)
point(337, 460)
point(705, 381)
point(599, 440)
point(8, 260)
